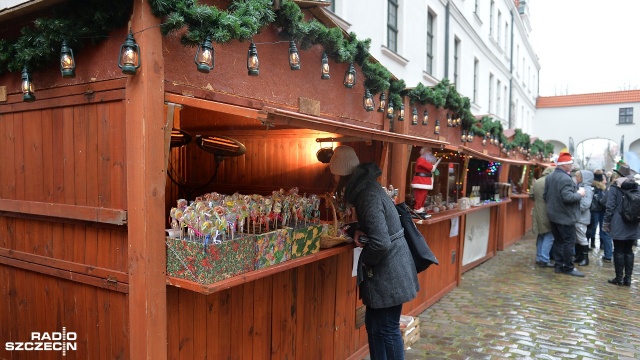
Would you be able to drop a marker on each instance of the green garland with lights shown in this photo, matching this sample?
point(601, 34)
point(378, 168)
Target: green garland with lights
point(89, 21)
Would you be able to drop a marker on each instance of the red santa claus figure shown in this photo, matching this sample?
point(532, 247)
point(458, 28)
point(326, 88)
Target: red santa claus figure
point(422, 180)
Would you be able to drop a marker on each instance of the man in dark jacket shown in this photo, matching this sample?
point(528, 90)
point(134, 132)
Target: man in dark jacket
point(563, 208)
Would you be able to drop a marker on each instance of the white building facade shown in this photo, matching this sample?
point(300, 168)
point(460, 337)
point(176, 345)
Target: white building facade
point(481, 46)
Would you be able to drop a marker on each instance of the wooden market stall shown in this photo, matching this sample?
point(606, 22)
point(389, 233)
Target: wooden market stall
point(90, 174)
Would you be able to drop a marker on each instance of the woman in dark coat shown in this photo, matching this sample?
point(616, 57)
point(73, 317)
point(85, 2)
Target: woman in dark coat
point(386, 276)
point(623, 233)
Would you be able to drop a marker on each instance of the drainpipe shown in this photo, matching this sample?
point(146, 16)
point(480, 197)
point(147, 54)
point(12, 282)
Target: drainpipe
point(446, 42)
point(511, 77)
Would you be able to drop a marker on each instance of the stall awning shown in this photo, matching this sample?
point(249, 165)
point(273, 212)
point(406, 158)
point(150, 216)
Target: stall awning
point(277, 116)
point(481, 155)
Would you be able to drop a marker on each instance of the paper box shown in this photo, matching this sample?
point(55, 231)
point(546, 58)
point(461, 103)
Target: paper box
point(189, 260)
point(306, 240)
point(272, 247)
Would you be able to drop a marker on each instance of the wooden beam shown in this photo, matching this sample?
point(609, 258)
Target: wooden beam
point(146, 180)
point(64, 211)
point(213, 106)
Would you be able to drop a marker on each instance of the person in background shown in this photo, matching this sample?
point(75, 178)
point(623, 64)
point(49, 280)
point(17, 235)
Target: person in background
point(541, 224)
point(386, 274)
point(422, 180)
point(563, 202)
point(598, 206)
point(584, 178)
point(623, 233)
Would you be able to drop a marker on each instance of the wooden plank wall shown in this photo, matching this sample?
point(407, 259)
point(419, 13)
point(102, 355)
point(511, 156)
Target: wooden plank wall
point(53, 270)
point(514, 225)
point(303, 313)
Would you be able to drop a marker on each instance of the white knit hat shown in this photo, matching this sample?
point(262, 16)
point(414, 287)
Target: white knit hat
point(344, 161)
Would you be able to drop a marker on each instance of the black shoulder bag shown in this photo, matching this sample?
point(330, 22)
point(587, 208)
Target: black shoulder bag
point(422, 256)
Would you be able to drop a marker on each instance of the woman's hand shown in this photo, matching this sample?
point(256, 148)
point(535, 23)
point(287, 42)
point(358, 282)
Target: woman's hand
point(356, 238)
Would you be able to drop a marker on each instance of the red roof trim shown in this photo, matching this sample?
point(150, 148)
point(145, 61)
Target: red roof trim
point(615, 97)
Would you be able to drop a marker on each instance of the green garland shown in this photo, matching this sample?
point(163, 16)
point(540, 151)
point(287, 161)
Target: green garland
point(88, 21)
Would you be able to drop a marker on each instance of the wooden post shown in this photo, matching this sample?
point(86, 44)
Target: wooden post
point(146, 176)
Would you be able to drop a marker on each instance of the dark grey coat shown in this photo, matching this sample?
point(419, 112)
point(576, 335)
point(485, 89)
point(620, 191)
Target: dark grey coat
point(620, 229)
point(562, 198)
point(386, 273)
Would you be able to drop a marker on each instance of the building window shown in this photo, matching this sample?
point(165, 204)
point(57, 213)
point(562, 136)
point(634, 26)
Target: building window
point(456, 61)
point(430, 37)
point(490, 92)
point(626, 116)
point(476, 63)
point(475, 10)
point(392, 25)
point(491, 9)
point(506, 37)
point(499, 28)
point(498, 98)
point(332, 7)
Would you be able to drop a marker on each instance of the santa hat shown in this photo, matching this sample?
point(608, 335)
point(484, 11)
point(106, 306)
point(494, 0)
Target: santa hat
point(564, 159)
point(344, 161)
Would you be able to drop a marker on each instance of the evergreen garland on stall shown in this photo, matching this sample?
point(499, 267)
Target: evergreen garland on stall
point(81, 22)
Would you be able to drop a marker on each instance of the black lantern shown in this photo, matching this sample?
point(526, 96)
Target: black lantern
point(470, 135)
point(325, 67)
point(390, 110)
point(463, 138)
point(253, 64)
point(449, 121)
point(436, 130)
point(367, 101)
point(67, 61)
point(383, 102)
point(484, 140)
point(204, 56)
point(294, 56)
point(27, 86)
point(414, 116)
point(425, 117)
point(129, 60)
point(350, 76)
point(401, 116)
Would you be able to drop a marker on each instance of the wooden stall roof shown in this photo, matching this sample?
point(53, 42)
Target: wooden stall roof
point(481, 155)
point(277, 116)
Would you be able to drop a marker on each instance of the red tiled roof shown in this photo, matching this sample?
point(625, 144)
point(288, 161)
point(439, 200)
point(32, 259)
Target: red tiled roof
point(614, 97)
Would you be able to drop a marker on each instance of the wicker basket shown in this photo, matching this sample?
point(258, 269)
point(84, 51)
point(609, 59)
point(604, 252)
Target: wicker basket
point(332, 237)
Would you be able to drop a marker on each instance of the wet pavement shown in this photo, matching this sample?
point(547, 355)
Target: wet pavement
point(509, 308)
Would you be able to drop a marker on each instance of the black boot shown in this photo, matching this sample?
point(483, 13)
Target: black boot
point(585, 255)
point(593, 243)
point(618, 265)
point(628, 269)
point(579, 255)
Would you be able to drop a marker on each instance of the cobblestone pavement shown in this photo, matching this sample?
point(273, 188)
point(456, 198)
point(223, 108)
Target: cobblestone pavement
point(509, 308)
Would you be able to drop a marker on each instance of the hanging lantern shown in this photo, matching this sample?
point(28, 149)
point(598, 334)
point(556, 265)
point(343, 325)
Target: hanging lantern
point(484, 141)
point(204, 56)
point(488, 134)
point(383, 102)
point(414, 116)
point(294, 56)
point(253, 64)
point(401, 116)
point(350, 77)
point(436, 130)
point(129, 60)
point(470, 135)
point(367, 101)
point(390, 110)
point(67, 62)
point(425, 118)
point(463, 138)
point(325, 67)
point(449, 121)
point(27, 86)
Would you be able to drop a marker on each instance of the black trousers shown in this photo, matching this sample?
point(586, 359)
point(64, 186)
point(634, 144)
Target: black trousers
point(563, 244)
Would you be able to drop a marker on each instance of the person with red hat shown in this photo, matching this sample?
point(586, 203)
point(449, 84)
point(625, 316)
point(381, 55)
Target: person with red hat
point(563, 208)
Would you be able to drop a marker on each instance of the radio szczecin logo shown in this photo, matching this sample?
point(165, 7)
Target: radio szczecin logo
point(53, 341)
